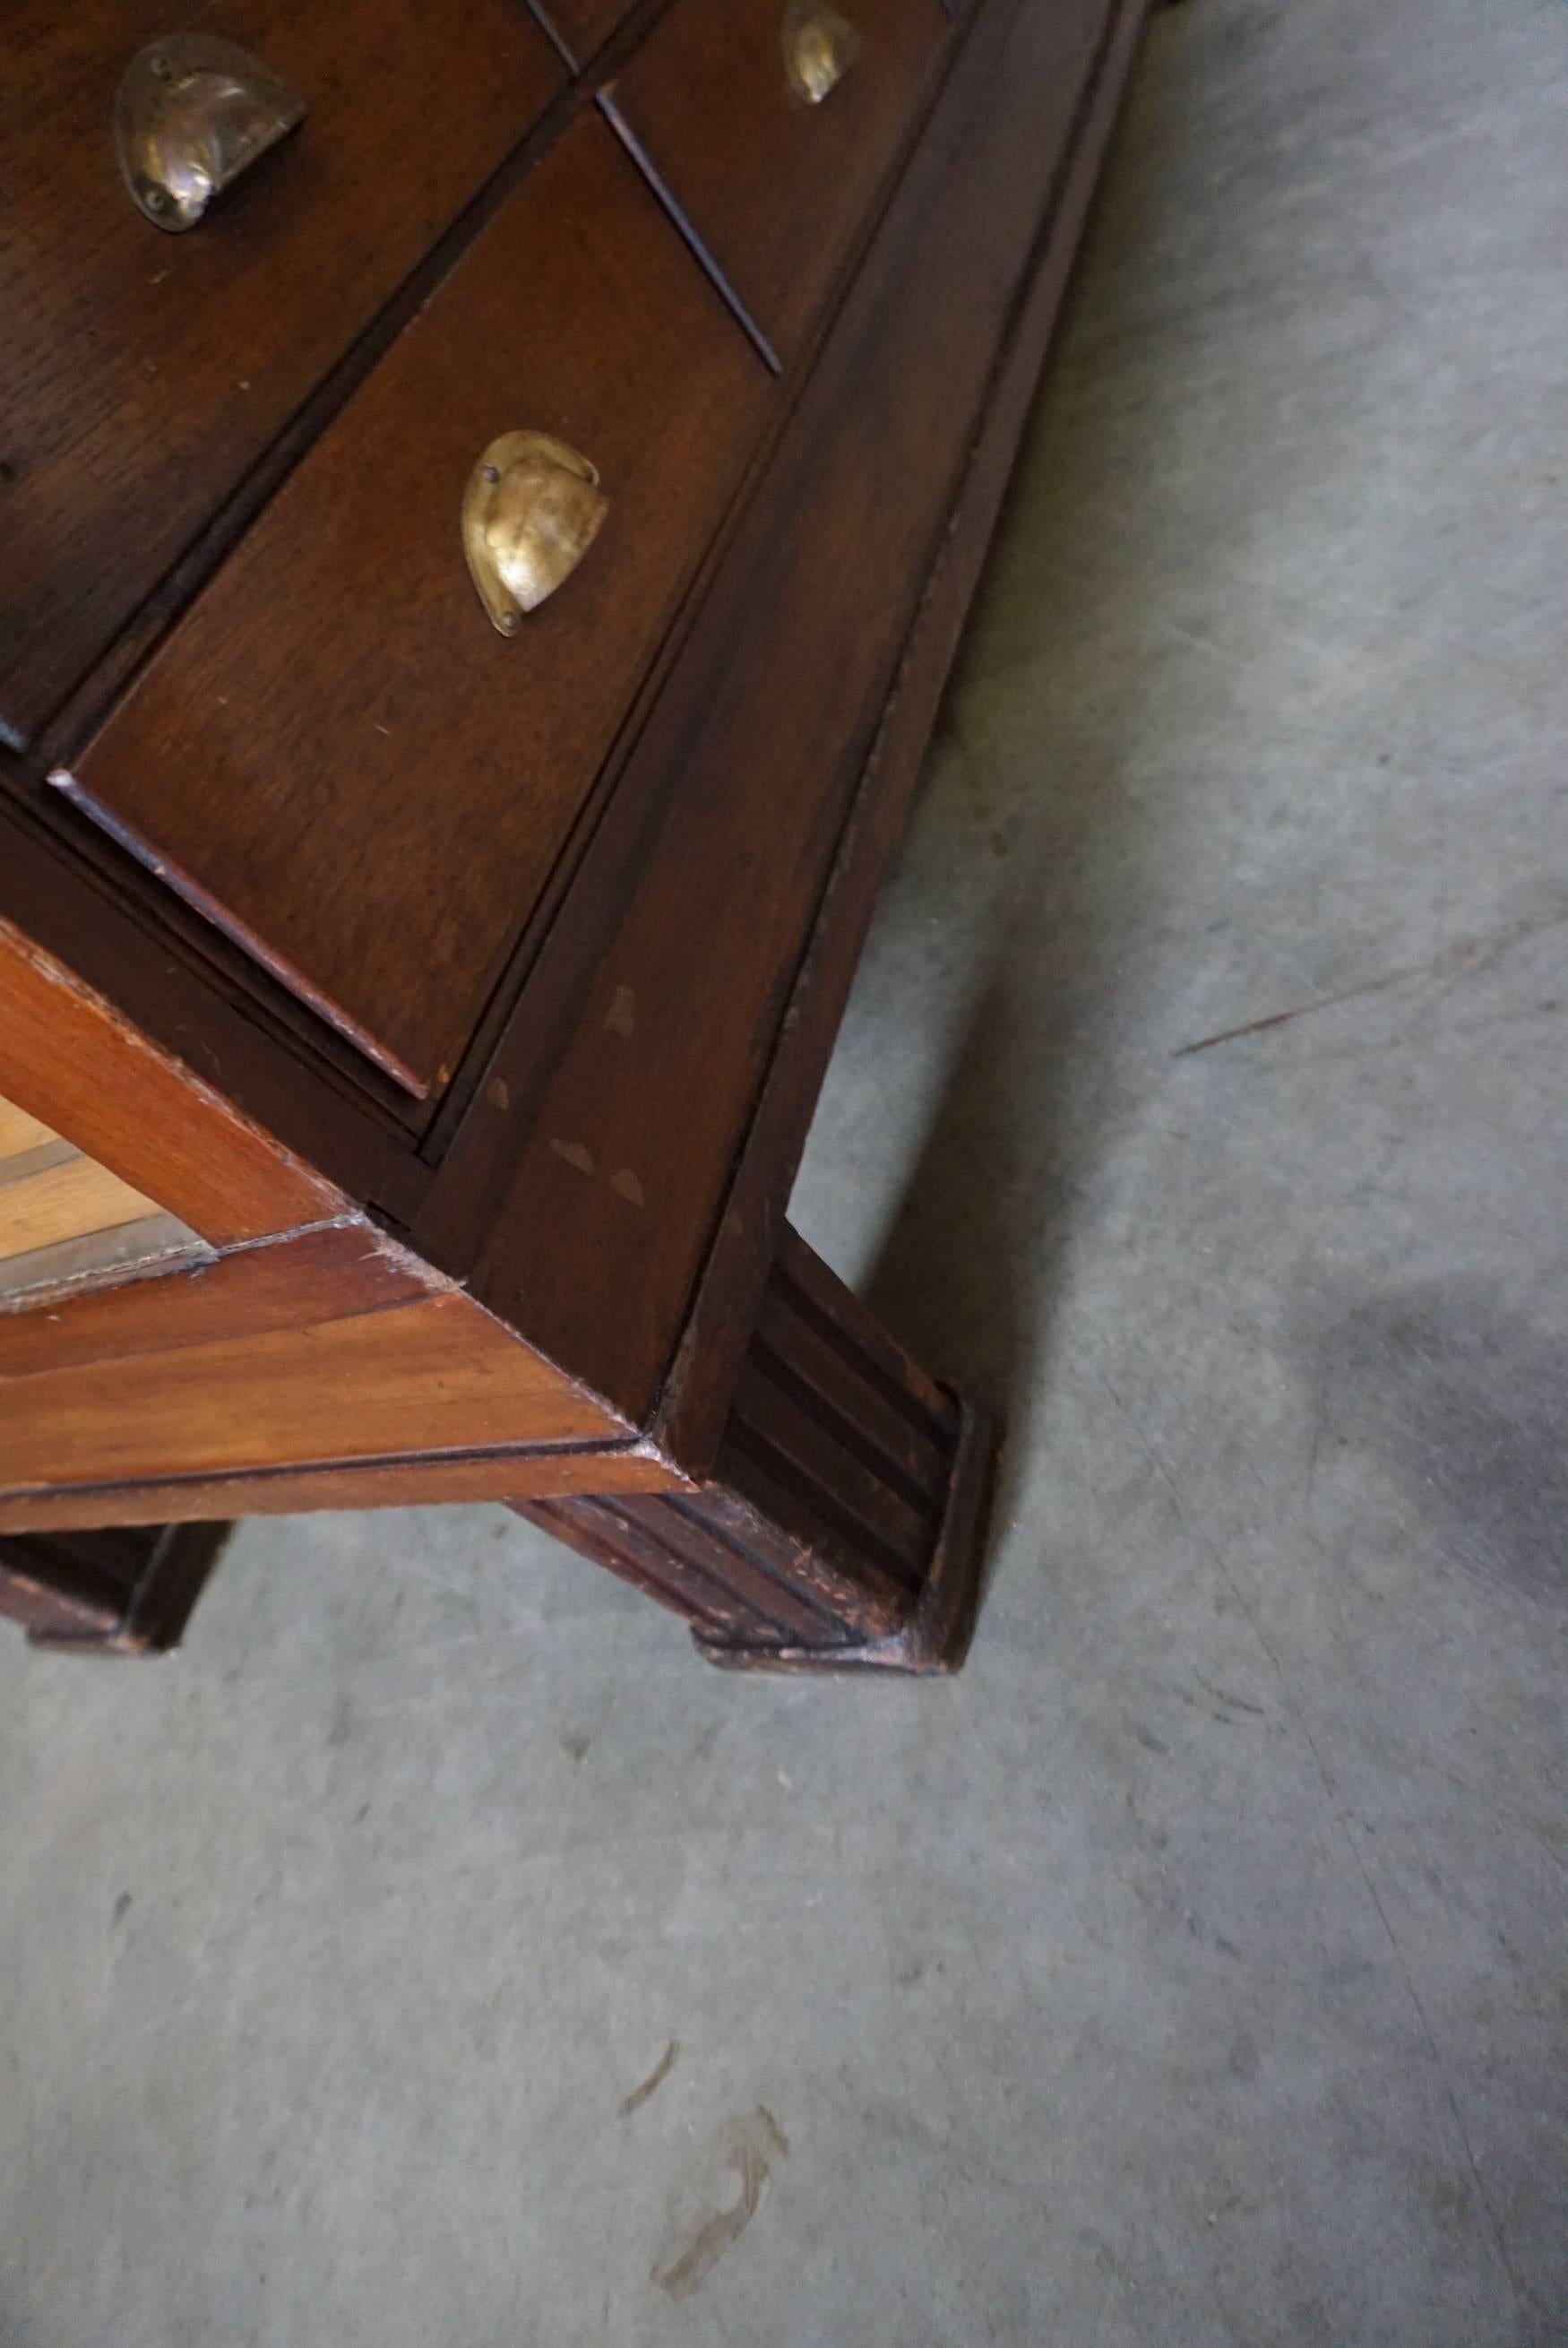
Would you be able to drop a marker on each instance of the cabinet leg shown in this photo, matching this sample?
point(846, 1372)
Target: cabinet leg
point(125, 1590)
point(841, 1526)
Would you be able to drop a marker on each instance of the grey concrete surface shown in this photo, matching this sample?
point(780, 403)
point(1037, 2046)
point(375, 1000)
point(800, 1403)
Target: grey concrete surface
point(1191, 1970)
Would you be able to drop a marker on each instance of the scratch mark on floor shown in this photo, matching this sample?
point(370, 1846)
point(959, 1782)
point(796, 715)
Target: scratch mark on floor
point(653, 2082)
point(754, 2142)
point(1463, 959)
point(1224, 1695)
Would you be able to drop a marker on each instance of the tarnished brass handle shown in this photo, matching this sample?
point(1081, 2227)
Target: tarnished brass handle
point(191, 113)
point(819, 46)
point(531, 510)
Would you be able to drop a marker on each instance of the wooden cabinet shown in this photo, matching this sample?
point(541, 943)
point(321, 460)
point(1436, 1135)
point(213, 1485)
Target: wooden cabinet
point(780, 176)
point(435, 844)
point(373, 808)
point(147, 373)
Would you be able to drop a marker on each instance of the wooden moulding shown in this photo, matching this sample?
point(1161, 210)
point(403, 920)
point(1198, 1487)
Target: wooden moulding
point(79, 1065)
point(695, 1396)
point(844, 1523)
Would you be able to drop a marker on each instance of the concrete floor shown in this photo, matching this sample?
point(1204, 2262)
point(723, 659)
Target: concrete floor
point(1193, 1970)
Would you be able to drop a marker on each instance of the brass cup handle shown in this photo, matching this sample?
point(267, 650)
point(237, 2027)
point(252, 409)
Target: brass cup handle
point(819, 47)
point(191, 114)
point(532, 509)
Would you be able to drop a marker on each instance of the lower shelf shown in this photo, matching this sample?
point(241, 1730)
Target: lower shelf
point(125, 1591)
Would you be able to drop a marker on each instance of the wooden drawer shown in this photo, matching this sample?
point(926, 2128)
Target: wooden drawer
point(157, 367)
point(337, 758)
point(582, 27)
point(776, 188)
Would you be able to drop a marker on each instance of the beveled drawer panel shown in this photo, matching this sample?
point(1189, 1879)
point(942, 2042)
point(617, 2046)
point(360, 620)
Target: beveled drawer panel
point(777, 186)
point(145, 372)
point(337, 757)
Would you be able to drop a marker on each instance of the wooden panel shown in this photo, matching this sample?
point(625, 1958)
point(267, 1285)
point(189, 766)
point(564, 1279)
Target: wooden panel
point(435, 1373)
point(146, 372)
point(67, 1201)
point(315, 1275)
point(404, 1481)
point(674, 979)
point(373, 806)
point(776, 189)
point(73, 1058)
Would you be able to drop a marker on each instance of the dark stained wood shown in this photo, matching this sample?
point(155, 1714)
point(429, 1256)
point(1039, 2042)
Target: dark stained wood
point(806, 1546)
point(155, 368)
point(593, 1309)
point(373, 806)
point(580, 28)
point(118, 1593)
point(396, 1481)
point(776, 190)
point(672, 969)
point(99, 926)
point(72, 1059)
point(934, 1637)
point(696, 1396)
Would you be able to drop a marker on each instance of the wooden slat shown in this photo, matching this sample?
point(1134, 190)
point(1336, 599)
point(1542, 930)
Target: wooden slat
point(19, 1131)
point(793, 1347)
point(398, 1481)
point(815, 1448)
point(66, 1202)
point(317, 1275)
point(432, 1373)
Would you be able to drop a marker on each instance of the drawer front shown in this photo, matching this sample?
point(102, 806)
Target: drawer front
point(146, 372)
point(582, 27)
point(337, 757)
point(777, 186)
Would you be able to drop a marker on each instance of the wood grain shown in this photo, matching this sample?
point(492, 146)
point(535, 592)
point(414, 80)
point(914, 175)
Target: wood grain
point(373, 808)
point(19, 1131)
point(737, 1273)
point(84, 1069)
point(696, 901)
point(328, 1274)
point(405, 1480)
point(110, 924)
point(154, 368)
point(811, 1541)
point(776, 190)
point(67, 1201)
point(432, 1375)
